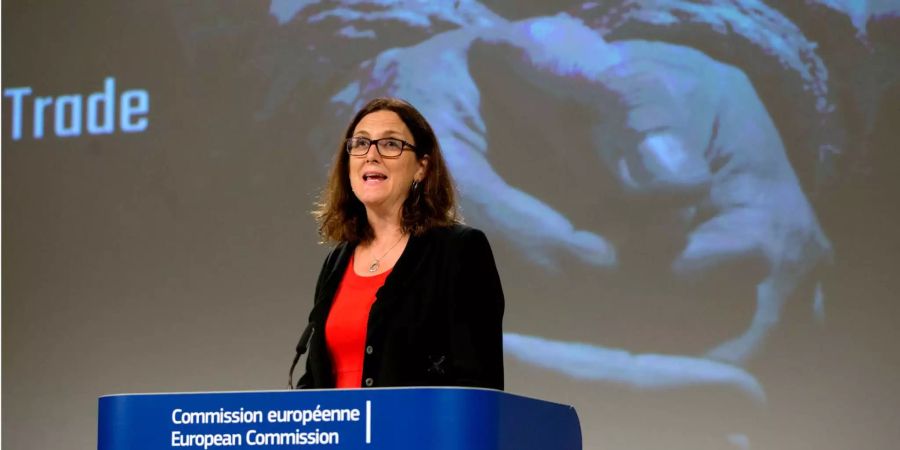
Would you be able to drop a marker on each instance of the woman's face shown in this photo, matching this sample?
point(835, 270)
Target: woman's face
point(382, 184)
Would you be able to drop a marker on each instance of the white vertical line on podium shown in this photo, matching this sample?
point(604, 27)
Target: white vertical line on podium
point(368, 421)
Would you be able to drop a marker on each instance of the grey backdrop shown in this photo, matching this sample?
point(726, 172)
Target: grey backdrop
point(183, 257)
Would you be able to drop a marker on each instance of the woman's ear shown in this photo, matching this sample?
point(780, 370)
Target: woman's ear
point(423, 169)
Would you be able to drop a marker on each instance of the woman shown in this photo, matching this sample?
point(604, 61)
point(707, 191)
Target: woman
point(409, 296)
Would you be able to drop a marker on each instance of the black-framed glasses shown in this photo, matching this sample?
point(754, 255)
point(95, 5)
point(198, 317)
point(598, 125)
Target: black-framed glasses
point(387, 147)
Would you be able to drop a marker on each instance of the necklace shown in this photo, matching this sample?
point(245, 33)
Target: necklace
point(374, 266)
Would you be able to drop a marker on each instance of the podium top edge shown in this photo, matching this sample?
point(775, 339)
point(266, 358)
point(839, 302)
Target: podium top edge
point(262, 391)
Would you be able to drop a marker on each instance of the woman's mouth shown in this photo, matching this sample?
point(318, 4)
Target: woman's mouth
point(373, 177)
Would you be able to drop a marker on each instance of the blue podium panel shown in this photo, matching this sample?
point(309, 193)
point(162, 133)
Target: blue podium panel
point(388, 418)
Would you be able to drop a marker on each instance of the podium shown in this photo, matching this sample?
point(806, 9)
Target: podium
point(378, 418)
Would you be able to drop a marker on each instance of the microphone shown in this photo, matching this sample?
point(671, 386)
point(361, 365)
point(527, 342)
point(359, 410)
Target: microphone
point(301, 349)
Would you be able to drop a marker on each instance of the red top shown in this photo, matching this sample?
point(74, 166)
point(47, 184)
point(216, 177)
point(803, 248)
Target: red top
point(345, 328)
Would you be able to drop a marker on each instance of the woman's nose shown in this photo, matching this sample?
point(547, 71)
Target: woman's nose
point(372, 155)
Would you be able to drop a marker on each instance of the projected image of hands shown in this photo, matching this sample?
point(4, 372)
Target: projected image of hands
point(674, 135)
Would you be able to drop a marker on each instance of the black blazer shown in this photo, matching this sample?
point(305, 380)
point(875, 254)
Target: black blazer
point(435, 322)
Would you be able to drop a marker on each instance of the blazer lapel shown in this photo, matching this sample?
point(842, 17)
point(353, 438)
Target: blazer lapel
point(332, 280)
point(407, 265)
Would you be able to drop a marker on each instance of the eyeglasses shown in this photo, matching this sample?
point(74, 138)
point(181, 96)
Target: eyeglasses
point(387, 147)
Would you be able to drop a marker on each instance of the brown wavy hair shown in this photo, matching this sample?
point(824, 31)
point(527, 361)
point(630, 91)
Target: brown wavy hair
point(342, 217)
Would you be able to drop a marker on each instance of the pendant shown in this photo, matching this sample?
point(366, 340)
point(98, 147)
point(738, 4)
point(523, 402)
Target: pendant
point(373, 267)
